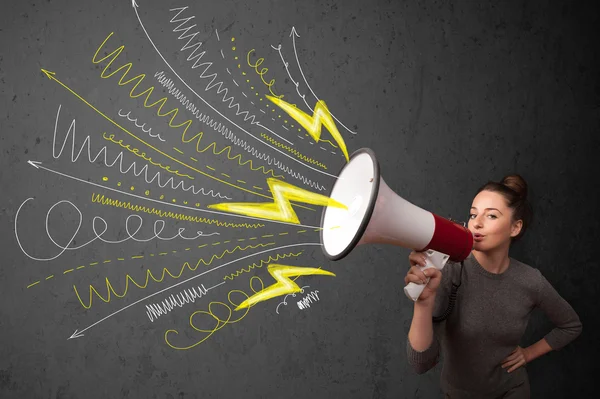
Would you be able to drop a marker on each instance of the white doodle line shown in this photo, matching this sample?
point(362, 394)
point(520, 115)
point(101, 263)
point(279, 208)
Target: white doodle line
point(79, 333)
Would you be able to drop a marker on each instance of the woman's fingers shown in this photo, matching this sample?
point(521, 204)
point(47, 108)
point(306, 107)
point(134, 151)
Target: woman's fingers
point(417, 258)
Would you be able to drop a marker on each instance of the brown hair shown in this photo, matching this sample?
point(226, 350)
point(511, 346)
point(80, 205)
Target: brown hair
point(514, 190)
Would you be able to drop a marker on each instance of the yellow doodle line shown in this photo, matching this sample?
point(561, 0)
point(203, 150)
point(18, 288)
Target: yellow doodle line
point(102, 199)
point(187, 249)
point(220, 323)
point(173, 112)
point(261, 264)
point(262, 72)
point(149, 276)
point(293, 151)
point(135, 151)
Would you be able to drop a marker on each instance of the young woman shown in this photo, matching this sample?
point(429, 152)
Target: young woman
point(480, 337)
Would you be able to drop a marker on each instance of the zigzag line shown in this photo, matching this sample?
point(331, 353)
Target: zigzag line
point(261, 263)
point(119, 159)
point(101, 199)
point(293, 151)
point(149, 275)
point(227, 133)
point(161, 102)
point(196, 46)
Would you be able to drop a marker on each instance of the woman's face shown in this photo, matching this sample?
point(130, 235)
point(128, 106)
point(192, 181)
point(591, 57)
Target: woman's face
point(490, 221)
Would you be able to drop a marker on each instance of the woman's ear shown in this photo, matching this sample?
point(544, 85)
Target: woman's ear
point(516, 228)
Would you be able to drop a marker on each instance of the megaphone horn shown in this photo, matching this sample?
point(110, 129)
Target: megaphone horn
point(377, 215)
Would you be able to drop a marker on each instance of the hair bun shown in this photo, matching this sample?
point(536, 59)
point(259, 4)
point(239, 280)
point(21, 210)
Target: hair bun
point(516, 183)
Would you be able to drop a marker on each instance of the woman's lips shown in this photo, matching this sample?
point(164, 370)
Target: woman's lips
point(478, 237)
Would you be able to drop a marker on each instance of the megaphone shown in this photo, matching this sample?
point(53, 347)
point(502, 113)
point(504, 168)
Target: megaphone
point(377, 215)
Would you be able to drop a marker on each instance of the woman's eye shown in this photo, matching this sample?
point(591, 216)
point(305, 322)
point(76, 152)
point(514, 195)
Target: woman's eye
point(492, 216)
point(471, 216)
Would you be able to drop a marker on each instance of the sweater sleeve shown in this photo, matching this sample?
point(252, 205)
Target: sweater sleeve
point(561, 314)
point(422, 361)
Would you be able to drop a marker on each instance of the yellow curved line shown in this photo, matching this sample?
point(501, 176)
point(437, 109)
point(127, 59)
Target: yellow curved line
point(261, 263)
point(149, 275)
point(293, 151)
point(143, 156)
point(103, 200)
point(162, 101)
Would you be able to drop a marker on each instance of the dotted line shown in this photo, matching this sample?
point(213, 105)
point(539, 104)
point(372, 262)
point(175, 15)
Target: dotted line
point(135, 257)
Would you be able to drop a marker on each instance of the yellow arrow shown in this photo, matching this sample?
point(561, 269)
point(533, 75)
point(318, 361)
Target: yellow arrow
point(52, 76)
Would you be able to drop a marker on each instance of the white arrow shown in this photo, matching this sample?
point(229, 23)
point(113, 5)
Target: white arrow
point(295, 34)
point(79, 333)
point(135, 8)
point(38, 165)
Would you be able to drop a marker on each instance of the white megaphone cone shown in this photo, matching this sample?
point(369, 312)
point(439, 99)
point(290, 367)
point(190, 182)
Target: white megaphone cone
point(376, 214)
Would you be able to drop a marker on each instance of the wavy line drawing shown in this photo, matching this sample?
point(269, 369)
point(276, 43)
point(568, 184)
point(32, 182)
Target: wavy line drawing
point(284, 302)
point(103, 200)
point(114, 55)
point(207, 64)
point(220, 323)
point(155, 310)
point(119, 160)
point(141, 127)
point(237, 273)
point(98, 236)
point(79, 333)
point(293, 151)
point(38, 165)
point(135, 7)
point(110, 289)
point(305, 302)
point(229, 135)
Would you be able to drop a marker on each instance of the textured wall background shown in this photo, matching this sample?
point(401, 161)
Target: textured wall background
point(447, 95)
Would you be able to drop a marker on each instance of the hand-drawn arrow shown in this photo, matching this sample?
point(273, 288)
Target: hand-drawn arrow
point(294, 35)
point(38, 165)
point(135, 8)
point(78, 333)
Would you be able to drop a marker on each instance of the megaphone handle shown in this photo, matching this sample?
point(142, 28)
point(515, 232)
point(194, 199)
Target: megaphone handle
point(412, 290)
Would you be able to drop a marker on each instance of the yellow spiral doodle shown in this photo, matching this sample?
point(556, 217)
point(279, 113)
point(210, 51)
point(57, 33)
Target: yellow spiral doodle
point(110, 289)
point(219, 322)
point(293, 151)
point(102, 199)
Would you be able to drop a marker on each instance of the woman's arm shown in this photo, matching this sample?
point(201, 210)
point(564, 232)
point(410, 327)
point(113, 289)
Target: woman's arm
point(422, 347)
point(561, 314)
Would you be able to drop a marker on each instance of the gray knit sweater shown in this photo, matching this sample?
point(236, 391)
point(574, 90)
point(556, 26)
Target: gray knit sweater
point(486, 325)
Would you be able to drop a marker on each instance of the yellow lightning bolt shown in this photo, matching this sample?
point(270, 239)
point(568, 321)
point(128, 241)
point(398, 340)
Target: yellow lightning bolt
point(312, 124)
point(284, 285)
point(280, 209)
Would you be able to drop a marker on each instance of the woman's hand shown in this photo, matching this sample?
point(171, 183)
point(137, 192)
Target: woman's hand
point(519, 357)
point(415, 275)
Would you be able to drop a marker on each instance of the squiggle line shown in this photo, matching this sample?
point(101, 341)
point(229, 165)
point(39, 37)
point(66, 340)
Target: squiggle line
point(260, 264)
point(119, 158)
point(149, 275)
point(293, 296)
point(305, 302)
point(228, 134)
point(155, 310)
point(140, 126)
point(136, 152)
point(101, 199)
point(98, 236)
point(220, 323)
point(148, 92)
point(293, 151)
